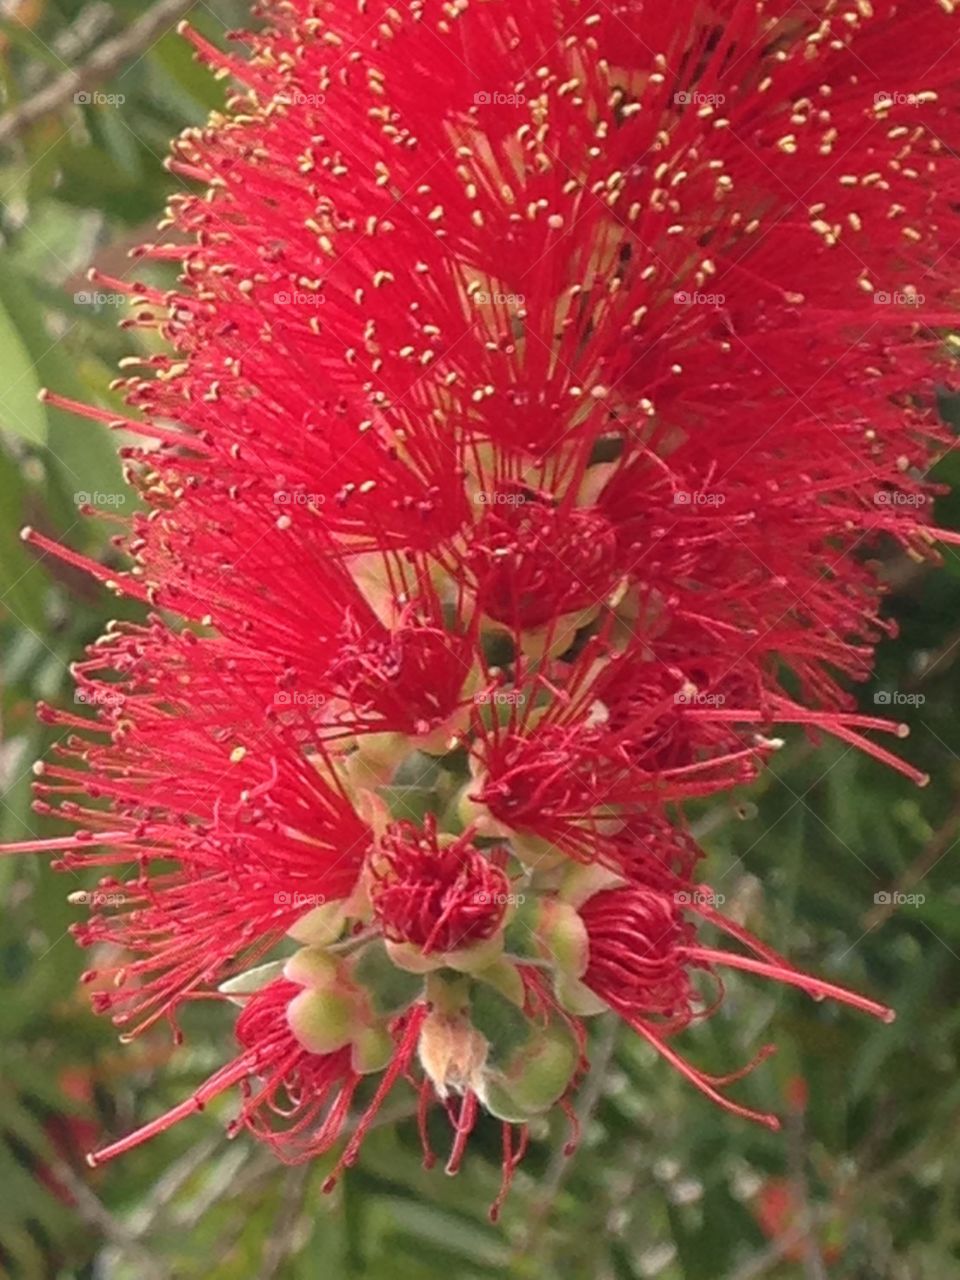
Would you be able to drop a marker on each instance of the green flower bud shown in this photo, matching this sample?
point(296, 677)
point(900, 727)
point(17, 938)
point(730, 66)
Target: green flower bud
point(315, 968)
point(322, 1021)
point(562, 937)
point(372, 1050)
point(472, 813)
point(535, 1078)
point(320, 926)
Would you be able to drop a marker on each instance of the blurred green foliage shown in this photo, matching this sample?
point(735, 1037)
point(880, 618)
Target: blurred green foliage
point(663, 1185)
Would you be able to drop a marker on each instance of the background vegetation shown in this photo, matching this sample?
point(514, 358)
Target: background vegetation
point(864, 1182)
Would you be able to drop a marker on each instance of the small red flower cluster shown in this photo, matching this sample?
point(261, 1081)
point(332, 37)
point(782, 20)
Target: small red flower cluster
point(538, 373)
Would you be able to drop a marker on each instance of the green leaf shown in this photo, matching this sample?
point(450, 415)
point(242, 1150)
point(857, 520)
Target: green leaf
point(389, 987)
point(20, 411)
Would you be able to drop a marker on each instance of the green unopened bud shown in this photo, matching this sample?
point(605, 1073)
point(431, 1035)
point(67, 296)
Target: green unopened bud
point(320, 926)
point(562, 937)
point(535, 1078)
point(372, 1050)
point(313, 967)
point(473, 813)
point(322, 1021)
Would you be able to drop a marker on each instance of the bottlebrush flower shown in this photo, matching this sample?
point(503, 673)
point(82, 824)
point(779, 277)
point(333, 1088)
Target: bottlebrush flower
point(436, 897)
point(640, 957)
point(536, 378)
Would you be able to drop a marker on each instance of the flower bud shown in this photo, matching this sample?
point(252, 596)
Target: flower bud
point(562, 937)
point(320, 926)
point(322, 1021)
point(314, 968)
point(372, 1050)
point(452, 1053)
point(537, 1075)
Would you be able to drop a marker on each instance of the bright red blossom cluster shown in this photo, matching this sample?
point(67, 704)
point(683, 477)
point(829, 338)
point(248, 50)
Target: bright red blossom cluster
point(539, 375)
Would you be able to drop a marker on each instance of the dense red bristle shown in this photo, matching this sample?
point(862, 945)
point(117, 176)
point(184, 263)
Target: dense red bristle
point(515, 453)
point(439, 897)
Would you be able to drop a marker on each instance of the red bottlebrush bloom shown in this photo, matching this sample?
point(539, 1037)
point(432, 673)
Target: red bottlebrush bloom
point(222, 830)
point(298, 1100)
point(508, 473)
point(535, 560)
point(440, 897)
point(295, 1100)
point(408, 678)
point(641, 956)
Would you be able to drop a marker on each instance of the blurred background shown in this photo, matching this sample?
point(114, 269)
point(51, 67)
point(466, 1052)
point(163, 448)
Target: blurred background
point(841, 864)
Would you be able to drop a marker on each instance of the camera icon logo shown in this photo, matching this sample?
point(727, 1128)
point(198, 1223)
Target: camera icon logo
point(481, 99)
